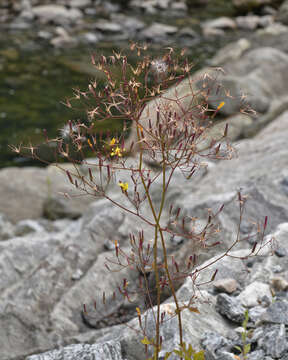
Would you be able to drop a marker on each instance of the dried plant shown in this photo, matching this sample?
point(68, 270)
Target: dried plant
point(170, 130)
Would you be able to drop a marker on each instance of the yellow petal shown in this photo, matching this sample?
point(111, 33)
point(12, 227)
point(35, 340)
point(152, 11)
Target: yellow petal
point(145, 341)
point(112, 142)
point(220, 105)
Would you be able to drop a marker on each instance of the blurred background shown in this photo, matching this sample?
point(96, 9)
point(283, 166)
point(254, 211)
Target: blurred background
point(46, 47)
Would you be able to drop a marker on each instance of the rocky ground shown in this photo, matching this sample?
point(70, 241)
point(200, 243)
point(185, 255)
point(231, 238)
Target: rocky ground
point(53, 249)
point(66, 23)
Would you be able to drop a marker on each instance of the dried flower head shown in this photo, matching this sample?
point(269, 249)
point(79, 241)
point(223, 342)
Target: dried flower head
point(67, 131)
point(159, 66)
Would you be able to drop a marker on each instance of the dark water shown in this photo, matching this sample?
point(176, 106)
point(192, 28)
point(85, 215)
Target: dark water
point(34, 80)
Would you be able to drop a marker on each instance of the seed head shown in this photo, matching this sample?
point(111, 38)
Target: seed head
point(159, 66)
point(66, 131)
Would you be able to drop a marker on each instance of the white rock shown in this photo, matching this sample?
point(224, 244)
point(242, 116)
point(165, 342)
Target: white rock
point(179, 6)
point(208, 31)
point(79, 3)
point(158, 30)
point(108, 26)
point(27, 226)
point(220, 23)
point(273, 29)
point(230, 52)
point(253, 294)
point(249, 22)
point(57, 14)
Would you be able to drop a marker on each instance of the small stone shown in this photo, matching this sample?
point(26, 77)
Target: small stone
point(27, 226)
point(208, 32)
point(128, 22)
point(274, 341)
point(279, 284)
point(256, 355)
point(226, 285)
point(277, 269)
point(277, 313)
point(248, 22)
point(109, 245)
point(230, 307)
point(224, 355)
point(162, 4)
point(280, 252)
point(157, 30)
point(90, 38)
point(179, 7)
point(187, 32)
point(273, 29)
point(254, 293)
point(80, 3)
point(108, 26)
point(57, 14)
point(220, 23)
point(45, 35)
point(212, 341)
point(256, 312)
point(77, 274)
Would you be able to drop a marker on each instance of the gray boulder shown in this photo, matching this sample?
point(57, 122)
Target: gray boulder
point(251, 76)
point(106, 351)
point(23, 192)
point(56, 14)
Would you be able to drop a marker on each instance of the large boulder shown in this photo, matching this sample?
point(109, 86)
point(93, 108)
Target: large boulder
point(24, 191)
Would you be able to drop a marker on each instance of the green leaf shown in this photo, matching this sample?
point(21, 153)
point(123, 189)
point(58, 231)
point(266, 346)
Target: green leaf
point(178, 352)
point(238, 348)
point(167, 355)
point(247, 348)
point(199, 355)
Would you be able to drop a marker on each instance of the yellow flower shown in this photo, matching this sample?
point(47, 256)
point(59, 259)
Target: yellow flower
point(124, 186)
point(116, 152)
point(112, 142)
point(145, 341)
point(220, 105)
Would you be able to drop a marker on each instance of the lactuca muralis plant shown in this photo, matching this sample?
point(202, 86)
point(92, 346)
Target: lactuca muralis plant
point(171, 131)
